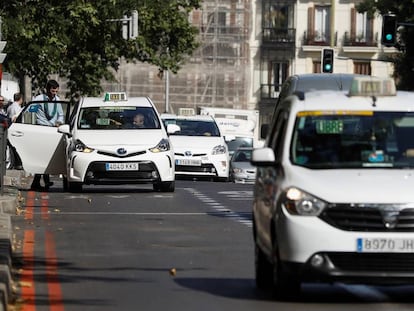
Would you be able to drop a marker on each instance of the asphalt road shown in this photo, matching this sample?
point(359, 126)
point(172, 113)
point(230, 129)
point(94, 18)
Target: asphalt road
point(129, 248)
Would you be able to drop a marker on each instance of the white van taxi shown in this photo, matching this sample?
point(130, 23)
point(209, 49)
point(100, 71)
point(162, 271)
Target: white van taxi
point(333, 196)
point(109, 140)
point(200, 148)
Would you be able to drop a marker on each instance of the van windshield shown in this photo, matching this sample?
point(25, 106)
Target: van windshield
point(353, 139)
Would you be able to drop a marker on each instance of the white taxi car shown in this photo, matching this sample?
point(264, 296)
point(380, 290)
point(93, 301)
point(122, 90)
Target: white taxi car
point(103, 142)
point(333, 197)
point(199, 148)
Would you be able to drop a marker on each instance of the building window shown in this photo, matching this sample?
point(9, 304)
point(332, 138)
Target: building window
point(322, 23)
point(363, 68)
point(319, 28)
point(277, 20)
point(316, 66)
point(273, 75)
point(361, 30)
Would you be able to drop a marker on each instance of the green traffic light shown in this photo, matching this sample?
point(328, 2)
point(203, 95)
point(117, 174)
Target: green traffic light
point(328, 67)
point(388, 37)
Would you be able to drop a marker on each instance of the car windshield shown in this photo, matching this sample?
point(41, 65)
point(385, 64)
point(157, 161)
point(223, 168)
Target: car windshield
point(109, 118)
point(239, 142)
point(194, 127)
point(242, 156)
point(353, 139)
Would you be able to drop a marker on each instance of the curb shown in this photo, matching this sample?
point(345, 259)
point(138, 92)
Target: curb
point(9, 205)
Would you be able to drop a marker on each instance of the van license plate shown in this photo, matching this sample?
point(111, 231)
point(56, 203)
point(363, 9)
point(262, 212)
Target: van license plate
point(133, 166)
point(381, 245)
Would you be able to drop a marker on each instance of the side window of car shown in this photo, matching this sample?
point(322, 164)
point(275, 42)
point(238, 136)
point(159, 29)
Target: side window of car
point(35, 111)
point(278, 132)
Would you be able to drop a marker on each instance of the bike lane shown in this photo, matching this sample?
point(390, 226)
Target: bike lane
point(39, 279)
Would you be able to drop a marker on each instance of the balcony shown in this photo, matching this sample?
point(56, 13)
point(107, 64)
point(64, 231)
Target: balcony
point(279, 37)
point(366, 40)
point(319, 39)
point(358, 44)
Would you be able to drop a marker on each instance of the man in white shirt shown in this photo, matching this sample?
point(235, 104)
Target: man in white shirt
point(49, 113)
point(16, 107)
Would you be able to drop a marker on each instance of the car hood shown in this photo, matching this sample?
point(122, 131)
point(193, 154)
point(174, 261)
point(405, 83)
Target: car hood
point(133, 138)
point(182, 143)
point(359, 186)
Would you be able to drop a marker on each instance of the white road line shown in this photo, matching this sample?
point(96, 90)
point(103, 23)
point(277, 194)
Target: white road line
point(228, 213)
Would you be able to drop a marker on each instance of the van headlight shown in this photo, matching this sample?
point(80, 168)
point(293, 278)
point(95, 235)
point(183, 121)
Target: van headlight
point(163, 145)
point(81, 147)
point(219, 149)
point(298, 202)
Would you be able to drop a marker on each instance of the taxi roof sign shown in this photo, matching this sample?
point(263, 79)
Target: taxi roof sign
point(372, 86)
point(115, 96)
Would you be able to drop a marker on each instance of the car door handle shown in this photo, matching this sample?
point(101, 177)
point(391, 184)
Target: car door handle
point(17, 134)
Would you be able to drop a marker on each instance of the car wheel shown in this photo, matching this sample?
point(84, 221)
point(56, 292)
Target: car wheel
point(75, 186)
point(166, 186)
point(65, 184)
point(285, 285)
point(263, 269)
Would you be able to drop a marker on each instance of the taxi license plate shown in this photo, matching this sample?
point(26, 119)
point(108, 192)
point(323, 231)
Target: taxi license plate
point(380, 245)
point(191, 162)
point(133, 166)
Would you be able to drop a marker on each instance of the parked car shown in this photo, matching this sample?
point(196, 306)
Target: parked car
point(241, 169)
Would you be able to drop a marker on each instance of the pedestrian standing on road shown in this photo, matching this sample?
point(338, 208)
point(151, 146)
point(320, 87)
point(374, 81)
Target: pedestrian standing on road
point(4, 119)
point(15, 108)
point(2, 110)
point(49, 113)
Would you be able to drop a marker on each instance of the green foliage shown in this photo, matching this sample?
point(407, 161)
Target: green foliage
point(404, 10)
point(82, 40)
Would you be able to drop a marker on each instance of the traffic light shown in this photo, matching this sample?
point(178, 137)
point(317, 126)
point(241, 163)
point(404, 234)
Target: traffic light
point(327, 60)
point(389, 30)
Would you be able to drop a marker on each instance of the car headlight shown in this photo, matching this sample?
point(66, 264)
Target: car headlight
point(219, 149)
point(81, 147)
point(298, 202)
point(163, 145)
point(237, 170)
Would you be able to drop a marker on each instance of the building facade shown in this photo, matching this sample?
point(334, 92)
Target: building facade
point(248, 48)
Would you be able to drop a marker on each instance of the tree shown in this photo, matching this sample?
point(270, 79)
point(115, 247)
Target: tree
point(82, 40)
point(403, 62)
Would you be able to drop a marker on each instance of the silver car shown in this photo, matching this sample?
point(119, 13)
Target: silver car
point(241, 170)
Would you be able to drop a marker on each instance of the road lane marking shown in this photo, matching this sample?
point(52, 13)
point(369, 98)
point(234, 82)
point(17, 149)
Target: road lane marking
point(27, 276)
point(222, 209)
point(53, 284)
point(30, 201)
point(28, 291)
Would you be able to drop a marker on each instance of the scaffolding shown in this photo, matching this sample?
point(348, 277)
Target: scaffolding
point(216, 75)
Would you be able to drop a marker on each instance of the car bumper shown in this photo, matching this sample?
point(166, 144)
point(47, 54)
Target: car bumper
point(244, 178)
point(91, 169)
point(316, 250)
point(213, 166)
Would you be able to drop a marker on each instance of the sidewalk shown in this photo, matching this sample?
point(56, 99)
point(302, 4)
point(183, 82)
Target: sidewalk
point(10, 200)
